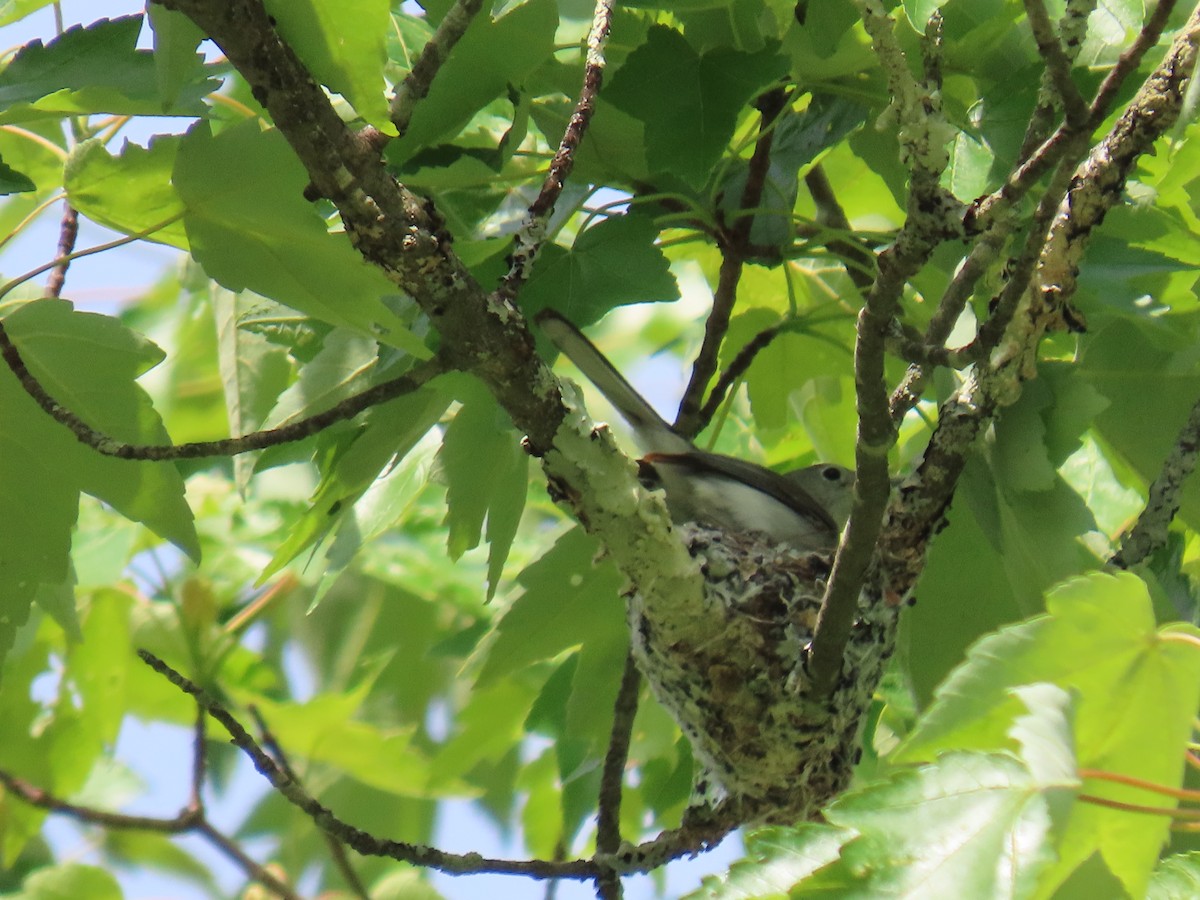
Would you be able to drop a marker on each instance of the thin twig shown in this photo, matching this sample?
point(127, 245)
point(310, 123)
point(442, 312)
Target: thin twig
point(67, 233)
point(859, 261)
point(608, 830)
point(416, 84)
point(734, 245)
point(1058, 64)
point(932, 216)
point(255, 440)
point(190, 820)
point(199, 762)
point(669, 845)
point(1129, 61)
point(336, 850)
point(527, 242)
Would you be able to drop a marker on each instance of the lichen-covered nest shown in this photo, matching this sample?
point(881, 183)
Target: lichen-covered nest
point(731, 672)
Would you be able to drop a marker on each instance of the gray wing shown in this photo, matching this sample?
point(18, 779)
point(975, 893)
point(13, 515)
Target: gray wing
point(653, 434)
point(778, 487)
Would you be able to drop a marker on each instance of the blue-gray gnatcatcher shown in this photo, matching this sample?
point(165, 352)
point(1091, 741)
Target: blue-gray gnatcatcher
point(806, 508)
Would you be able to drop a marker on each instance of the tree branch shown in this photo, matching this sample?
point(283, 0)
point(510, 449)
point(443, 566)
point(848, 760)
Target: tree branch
point(734, 244)
point(255, 440)
point(1058, 64)
point(190, 820)
point(336, 850)
point(1095, 187)
point(932, 216)
point(67, 233)
point(527, 242)
point(608, 827)
point(1149, 533)
point(416, 84)
point(650, 855)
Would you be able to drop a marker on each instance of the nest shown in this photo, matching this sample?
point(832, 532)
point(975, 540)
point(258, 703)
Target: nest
point(730, 670)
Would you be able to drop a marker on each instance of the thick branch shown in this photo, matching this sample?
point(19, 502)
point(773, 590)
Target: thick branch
point(393, 228)
point(933, 215)
point(1095, 187)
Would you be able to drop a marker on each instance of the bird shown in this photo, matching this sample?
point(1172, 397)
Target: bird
point(806, 508)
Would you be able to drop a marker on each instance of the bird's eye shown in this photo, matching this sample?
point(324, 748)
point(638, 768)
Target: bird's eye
point(831, 473)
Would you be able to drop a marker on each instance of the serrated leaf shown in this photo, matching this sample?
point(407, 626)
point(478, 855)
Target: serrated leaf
point(970, 825)
point(176, 40)
point(389, 432)
point(88, 363)
point(14, 182)
point(689, 102)
point(97, 69)
point(254, 372)
point(130, 192)
point(489, 57)
point(776, 860)
point(546, 620)
point(250, 227)
point(611, 264)
point(1136, 691)
point(504, 511)
point(479, 431)
point(1177, 878)
point(343, 44)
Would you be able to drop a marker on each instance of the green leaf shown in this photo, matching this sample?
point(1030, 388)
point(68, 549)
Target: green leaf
point(798, 139)
point(490, 56)
point(69, 881)
point(689, 102)
point(343, 44)
point(1150, 379)
point(919, 11)
point(326, 730)
point(1137, 691)
point(613, 263)
point(354, 472)
point(1177, 878)
point(150, 852)
point(97, 69)
point(970, 825)
point(254, 372)
point(15, 10)
point(14, 182)
point(505, 509)
point(176, 39)
point(88, 363)
point(130, 192)
point(776, 860)
point(250, 227)
point(488, 727)
point(544, 621)
point(479, 432)
point(613, 149)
